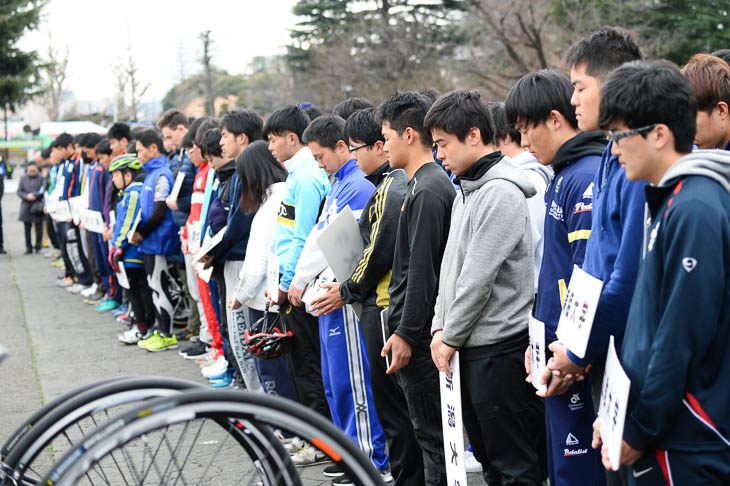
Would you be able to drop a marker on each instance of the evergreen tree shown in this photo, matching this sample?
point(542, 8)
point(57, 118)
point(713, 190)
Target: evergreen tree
point(18, 69)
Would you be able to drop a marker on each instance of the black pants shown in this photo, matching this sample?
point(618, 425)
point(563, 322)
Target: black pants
point(140, 298)
point(38, 235)
point(503, 417)
point(419, 381)
point(73, 253)
point(406, 461)
point(2, 244)
point(51, 230)
point(304, 358)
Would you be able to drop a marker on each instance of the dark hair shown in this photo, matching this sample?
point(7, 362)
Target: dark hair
point(710, 80)
point(91, 140)
point(63, 141)
point(243, 121)
point(150, 137)
point(431, 94)
point(458, 112)
point(363, 127)
point(404, 110)
point(210, 143)
point(501, 127)
point(46, 153)
point(326, 130)
point(119, 131)
point(311, 111)
point(131, 147)
point(79, 139)
point(103, 147)
point(723, 54)
point(208, 124)
point(641, 94)
point(31, 162)
point(257, 169)
point(603, 51)
point(290, 118)
point(189, 138)
point(346, 108)
point(172, 119)
point(535, 95)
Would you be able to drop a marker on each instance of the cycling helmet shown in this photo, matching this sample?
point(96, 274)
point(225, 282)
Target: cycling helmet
point(126, 161)
point(265, 340)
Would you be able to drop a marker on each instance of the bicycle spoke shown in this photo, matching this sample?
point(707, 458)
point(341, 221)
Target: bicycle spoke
point(187, 456)
point(173, 452)
point(205, 472)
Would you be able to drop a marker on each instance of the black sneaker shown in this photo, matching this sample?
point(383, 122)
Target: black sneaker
point(343, 480)
point(184, 335)
point(194, 351)
point(334, 471)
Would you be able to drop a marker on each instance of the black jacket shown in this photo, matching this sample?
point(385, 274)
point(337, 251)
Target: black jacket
point(423, 229)
point(378, 225)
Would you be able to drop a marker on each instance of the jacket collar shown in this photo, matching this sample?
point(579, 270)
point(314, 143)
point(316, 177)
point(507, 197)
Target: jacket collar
point(304, 155)
point(347, 168)
point(156, 163)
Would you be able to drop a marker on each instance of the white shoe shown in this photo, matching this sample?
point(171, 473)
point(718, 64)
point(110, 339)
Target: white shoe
point(309, 456)
point(293, 445)
point(89, 291)
point(77, 289)
point(133, 335)
point(219, 367)
point(470, 462)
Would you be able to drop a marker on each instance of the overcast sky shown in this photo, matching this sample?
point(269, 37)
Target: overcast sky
point(161, 32)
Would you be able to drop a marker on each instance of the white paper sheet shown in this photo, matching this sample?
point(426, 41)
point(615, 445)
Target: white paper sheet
point(579, 309)
point(612, 410)
point(176, 187)
point(122, 276)
point(133, 229)
point(314, 288)
point(272, 276)
point(537, 353)
point(452, 423)
point(93, 221)
point(209, 242)
point(203, 273)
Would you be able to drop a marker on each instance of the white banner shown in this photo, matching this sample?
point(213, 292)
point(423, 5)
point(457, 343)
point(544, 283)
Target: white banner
point(452, 423)
point(612, 410)
point(579, 309)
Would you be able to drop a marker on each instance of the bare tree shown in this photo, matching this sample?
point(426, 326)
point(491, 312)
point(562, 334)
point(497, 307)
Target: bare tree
point(129, 88)
point(208, 71)
point(54, 72)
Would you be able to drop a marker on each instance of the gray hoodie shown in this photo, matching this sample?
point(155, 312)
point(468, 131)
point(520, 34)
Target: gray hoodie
point(486, 287)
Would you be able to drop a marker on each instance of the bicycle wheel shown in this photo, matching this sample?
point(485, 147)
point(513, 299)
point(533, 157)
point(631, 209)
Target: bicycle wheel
point(164, 442)
point(65, 424)
point(30, 422)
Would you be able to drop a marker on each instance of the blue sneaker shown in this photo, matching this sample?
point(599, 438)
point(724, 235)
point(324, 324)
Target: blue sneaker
point(107, 305)
point(218, 377)
point(224, 383)
point(120, 311)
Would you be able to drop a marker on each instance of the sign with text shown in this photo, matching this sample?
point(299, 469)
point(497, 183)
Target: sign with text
point(579, 309)
point(537, 353)
point(93, 221)
point(453, 427)
point(175, 192)
point(272, 275)
point(612, 410)
point(209, 242)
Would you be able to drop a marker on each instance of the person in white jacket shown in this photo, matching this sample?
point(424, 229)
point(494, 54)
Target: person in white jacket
point(263, 186)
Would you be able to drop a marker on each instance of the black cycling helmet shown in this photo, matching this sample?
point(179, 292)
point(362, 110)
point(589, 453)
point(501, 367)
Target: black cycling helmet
point(265, 340)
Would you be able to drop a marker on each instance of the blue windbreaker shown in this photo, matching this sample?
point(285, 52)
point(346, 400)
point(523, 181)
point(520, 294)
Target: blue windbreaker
point(612, 252)
point(164, 239)
point(127, 209)
point(71, 177)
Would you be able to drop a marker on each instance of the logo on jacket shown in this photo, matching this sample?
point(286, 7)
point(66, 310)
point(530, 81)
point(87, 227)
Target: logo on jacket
point(582, 207)
point(689, 264)
point(588, 194)
point(571, 440)
point(575, 403)
point(556, 211)
point(334, 331)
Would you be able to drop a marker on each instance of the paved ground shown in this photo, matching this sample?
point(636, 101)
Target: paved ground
point(57, 342)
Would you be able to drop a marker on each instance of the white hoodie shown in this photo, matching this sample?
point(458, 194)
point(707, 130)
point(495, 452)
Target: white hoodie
point(252, 278)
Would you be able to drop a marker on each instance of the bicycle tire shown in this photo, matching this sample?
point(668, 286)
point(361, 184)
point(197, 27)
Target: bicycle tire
point(192, 405)
point(30, 422)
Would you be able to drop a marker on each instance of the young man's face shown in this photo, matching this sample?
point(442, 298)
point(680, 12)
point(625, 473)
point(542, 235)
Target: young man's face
point(118, 179)
point(711, 127)
point(105, 160)
point(196, 157)
point(368, 157)
point(586, 98)
point(217, 162)
point(145, 154)
point(539, 141)
point(172, 137)
point(280, 146)
point(90, 153)
point(456, 155)
point(328, 159)
point(231, 145)
point(118, 146)
point(395, 147)
point(635, 154)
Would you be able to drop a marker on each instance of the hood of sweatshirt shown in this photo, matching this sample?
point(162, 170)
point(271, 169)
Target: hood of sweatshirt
point(582, 145)
point(495, 166)
point(714, 164)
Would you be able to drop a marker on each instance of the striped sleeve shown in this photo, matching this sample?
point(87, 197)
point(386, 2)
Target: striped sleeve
point(128, 218)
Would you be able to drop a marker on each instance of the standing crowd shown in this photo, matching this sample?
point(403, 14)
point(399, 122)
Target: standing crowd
point(472, 217)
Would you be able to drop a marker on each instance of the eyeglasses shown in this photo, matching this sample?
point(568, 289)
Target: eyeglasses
point(616, 138)
point(355, 149)
point(191, 150)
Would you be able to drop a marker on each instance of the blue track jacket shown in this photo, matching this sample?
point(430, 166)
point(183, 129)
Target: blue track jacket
point(127, 209)
point(675, 349)
point(71, 177)
point(306, 187)
point(569, 200)
point(612, 252)
point(164, 239)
